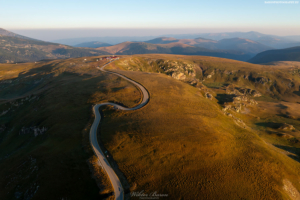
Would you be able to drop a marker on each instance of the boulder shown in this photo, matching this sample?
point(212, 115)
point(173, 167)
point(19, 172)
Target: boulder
point(208, 96)
point(178, 76)
point(34, 130)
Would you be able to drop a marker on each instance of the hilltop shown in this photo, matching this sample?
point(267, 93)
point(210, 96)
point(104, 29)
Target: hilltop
point(4, 32)
point(289, 54)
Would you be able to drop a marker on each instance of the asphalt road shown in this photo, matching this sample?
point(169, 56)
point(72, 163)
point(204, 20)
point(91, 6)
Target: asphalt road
point(118, 189)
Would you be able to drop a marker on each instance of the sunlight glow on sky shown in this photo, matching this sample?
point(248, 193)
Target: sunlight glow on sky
point(253, 15)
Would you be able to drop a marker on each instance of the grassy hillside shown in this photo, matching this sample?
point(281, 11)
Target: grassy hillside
point(277, 81)
point(45, 115)
point(183, 145)
point(186, 142)
point(290, 54)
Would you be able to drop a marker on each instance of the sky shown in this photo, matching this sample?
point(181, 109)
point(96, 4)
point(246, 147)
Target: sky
point(156, 16)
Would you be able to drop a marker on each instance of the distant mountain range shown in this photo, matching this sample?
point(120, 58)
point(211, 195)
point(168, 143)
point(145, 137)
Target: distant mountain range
point(237, 45)
point(109, 39)
point(272, 41)
point(232, 43)
point(268, 40)
point(289, 54)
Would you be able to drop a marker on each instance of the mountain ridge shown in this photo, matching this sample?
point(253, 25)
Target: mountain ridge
point(171, 48)
point(288, 54)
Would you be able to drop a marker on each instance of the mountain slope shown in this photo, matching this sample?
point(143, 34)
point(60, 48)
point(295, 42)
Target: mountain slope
point(4, 32)
point(16, 48)
point(293, 37)
point(44, 145)
point(94, 44)
point(128, 48)
point(289, 54)
point(268, 40)
point(243, 45)
point(202, 155)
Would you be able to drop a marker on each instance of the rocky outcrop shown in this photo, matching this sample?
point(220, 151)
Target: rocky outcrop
point(238, 103)
point(231, 89)
point(244, 100)
point(241, 98)
point(211, 74)
point(178, 76)
point(262, 80)
point(286, 126)
point(177, 69)
point(33, 130)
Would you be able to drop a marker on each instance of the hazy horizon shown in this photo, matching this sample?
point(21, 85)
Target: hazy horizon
point(59, 34)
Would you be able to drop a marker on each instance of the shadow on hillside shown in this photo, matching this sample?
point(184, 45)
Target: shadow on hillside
point(297, 93)
point(225, 98)
point(293, 150)
point(37, 80)
point(107, 195)
point(26, 82)
point(281, 106)
point(66, 97)
point(269, 125)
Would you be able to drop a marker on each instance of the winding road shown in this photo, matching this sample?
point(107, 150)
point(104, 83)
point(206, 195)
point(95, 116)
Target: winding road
point(118, 189)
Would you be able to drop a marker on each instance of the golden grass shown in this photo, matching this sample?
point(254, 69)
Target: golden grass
point(181, 144)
